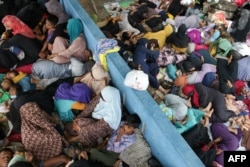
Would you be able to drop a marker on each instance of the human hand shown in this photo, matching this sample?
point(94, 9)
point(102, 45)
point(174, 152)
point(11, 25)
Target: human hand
point(189, 104)
point(117, 163)
point(76, 127)
point(121, 131)
point(28, 156)
point(52, 56)
point(83, 155)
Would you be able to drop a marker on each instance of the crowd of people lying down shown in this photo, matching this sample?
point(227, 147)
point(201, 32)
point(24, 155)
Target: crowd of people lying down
point(197, 67)
point(59, 107)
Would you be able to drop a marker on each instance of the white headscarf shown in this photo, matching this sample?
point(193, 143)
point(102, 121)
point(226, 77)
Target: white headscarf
point(109, 108)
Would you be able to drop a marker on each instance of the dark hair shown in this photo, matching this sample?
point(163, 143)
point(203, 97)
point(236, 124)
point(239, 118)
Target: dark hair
point(22, 164)
point(80, 163)
point(133, 120)
point(2, 131)
point(236, 55)
point(153, 41)
point(9, 81)
point(53, 19)
point(6, 149)
point(125, 36)
point(15, 72)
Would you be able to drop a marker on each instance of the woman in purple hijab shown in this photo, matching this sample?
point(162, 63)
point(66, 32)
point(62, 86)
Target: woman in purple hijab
point(70, 97)
point(79, 92)
point(229, 140)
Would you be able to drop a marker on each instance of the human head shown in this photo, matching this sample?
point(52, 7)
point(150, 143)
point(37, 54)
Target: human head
point(11, 74)
point(74, 28)
point(5, 156)
point(209, 79)
point(51, 21)
point(126, 35)
point(224, 47)
point(109, 106)
point(6, 84)
point(143, 11)
point(153, 42)
point(22, 164)
point(188, 67)
point(234, 54)
point(98, 72)
point(202, 22)
point(132, 122)
point(181, 30)
point(3, 130)
point(142, 41)
point(188, 90)
point(11, 22)
point(240, 87)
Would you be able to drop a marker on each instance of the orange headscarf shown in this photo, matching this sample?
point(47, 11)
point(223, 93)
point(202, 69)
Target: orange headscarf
point(181, 80)
point(17, 26)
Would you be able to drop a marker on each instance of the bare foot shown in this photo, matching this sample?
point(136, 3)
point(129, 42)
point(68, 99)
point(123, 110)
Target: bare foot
point(217, 140)
point(209, 113)
point(219, 151)
point(205, 121)
point(232, 130)
point(164, 91)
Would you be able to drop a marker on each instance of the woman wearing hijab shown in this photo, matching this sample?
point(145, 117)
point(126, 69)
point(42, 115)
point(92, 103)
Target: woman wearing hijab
point(196, 76)
point(23, 38)
point(227, 71)
point(179, 41)
point(54, 7)
point(44, 101)
point(62, 51)
point(201, 96)
point(229, 140)
point(69, 97)
point(241, 27)
point(175, 8)
point(39, 135)
point(100, 118)
point(192, 21)
point(197, 138)
point(178, 105)
point(17, 26)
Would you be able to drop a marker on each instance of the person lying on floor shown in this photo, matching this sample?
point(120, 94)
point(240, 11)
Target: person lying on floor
point(121, 139)
point(99, 119)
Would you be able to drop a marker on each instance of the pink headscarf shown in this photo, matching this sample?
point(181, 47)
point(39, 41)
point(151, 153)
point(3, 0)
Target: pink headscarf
point(17, 26)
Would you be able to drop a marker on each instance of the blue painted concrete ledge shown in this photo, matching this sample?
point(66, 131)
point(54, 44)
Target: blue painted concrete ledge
point(166, 143)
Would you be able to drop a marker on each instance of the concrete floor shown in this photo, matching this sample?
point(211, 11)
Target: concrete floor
point(101, 12)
